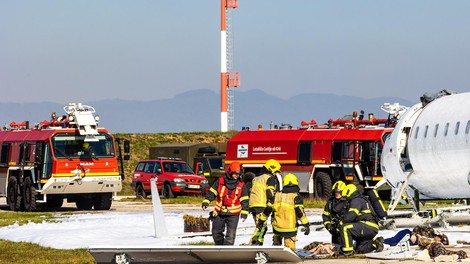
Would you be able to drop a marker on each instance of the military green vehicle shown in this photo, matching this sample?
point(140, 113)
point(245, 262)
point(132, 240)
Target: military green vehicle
point(205, 159)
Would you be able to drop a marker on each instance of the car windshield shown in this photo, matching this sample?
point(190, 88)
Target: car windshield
point(170, 166)
point(217, 163)
point(69, 145)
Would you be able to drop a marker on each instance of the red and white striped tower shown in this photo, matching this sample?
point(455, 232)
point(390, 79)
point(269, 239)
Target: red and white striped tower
point(227, 79)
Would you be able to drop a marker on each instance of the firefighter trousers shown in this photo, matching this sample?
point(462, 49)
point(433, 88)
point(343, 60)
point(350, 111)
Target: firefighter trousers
point(258, 235)
point(288, 241)
point(218, 227)
point(362, 232)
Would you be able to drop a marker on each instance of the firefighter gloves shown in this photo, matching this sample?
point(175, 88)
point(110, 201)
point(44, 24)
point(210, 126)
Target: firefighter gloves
point(212, 215)
point(260, 224)
point(307, 229)
point(204, 205)
point(243, 217)
point(328, 227)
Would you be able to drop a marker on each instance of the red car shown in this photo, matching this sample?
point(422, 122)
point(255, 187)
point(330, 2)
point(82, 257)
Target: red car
point(174, 177)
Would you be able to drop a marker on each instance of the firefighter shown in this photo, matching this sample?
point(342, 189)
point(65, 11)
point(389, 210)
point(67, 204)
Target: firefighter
point(335, 209)
point(286, 207)
point(359, 225)
point(87, 150)
point(231, 204)
point(264, 186)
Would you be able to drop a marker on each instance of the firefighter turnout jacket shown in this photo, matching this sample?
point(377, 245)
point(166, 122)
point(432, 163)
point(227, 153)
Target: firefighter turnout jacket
point(263, 189)
point(358, 224)
point(287, 208)
point(335, 210)
point(231, 196)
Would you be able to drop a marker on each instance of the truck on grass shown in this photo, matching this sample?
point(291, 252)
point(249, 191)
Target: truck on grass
point(68, 157)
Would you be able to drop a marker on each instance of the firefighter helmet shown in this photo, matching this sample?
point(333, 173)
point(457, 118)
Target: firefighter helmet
point(85, 145)
point(338, 186)
point(272, 166)
point(235, 167)
point(290, 179)
point(348, 190)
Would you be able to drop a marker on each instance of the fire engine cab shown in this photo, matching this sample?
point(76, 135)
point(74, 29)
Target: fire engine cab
point(67, 157)
point(347, 149)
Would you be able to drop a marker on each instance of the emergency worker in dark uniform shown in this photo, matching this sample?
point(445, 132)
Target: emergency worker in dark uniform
point(287, 207)
point(231, 204)
point(359, 225)
point(264, 186)
point(335, 209)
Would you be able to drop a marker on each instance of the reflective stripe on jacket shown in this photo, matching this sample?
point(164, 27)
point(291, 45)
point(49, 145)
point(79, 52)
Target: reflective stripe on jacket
point(228, 200)
point(284, 217)
point(258, 191)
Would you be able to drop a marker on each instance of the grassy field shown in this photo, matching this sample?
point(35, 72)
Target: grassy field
point(140, 144)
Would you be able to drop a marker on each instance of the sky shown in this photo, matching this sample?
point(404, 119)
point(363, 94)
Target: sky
point(71, 51)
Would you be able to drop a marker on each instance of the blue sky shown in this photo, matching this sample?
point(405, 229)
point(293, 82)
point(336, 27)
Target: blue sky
point(63, 51)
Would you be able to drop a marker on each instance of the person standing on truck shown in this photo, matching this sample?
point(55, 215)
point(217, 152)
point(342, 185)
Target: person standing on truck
point(263, 190)
point(359, 225)
point(335, 209)
point(286, 207)
point(231, 203)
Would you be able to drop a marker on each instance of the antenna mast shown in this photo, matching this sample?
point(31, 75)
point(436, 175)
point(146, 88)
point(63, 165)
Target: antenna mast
point(228, 79)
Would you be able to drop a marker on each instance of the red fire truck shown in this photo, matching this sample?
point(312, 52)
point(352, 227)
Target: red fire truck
point(67, 157)
point(319, 155)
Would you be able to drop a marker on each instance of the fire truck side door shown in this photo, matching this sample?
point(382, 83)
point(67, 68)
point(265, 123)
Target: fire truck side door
point(337, 152)
point(45, 163)
point(304, 152)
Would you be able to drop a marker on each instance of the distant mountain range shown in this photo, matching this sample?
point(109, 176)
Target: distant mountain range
point(199, 110)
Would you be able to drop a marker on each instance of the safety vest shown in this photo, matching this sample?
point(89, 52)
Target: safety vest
point(284, 218)
point(228, 202)
point(258, 191)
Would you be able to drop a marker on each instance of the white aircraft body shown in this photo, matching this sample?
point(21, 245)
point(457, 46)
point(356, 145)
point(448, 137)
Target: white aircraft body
point(428, 152)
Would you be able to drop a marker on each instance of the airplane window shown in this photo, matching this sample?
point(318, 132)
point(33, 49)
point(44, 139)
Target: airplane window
point(446, 129)
point(435, 130)
point(457, 125)
point(426, 131)
point(467, 129)
point(416, 134)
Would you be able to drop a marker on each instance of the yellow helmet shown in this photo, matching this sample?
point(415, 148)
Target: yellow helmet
point(290, 179)
point(272, 166)
point(348, 190)
point(338, 186)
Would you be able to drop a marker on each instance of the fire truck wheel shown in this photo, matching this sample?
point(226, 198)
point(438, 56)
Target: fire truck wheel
point(29, 195)
point(140, 192)
point(102, 201)
point(54, 202)
point(167, 192)
point(13, 197)
point(83, 203)
point(322, 185)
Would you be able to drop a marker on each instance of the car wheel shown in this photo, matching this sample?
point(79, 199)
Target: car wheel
point(167, 192)
point(140, 192)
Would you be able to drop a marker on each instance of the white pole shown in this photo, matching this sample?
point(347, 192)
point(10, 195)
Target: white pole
point(158, 217)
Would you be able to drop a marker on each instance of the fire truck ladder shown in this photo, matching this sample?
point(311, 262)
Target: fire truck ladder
point(82, 116)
